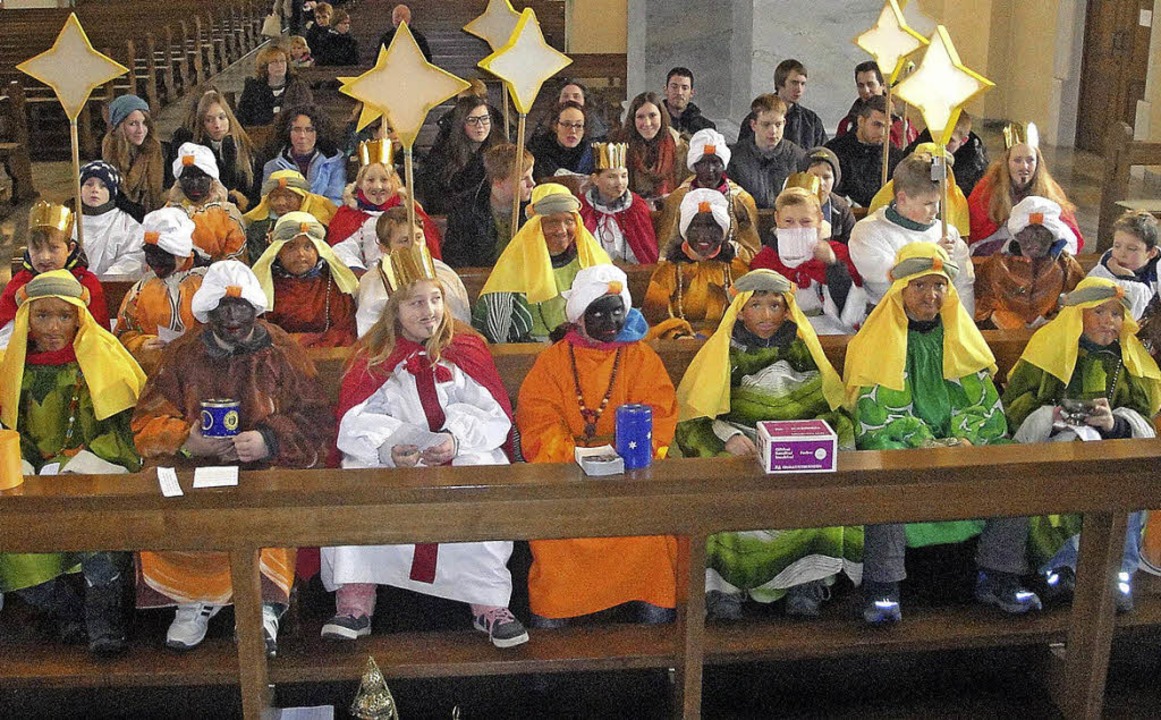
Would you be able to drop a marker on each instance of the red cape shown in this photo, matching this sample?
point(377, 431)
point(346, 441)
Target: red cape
point(636, 225)
point(768, 259)
point(97, 306)
point(982, 225)
point(348, 219)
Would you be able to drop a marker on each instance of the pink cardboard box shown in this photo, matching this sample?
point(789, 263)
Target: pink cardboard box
point(797, 446)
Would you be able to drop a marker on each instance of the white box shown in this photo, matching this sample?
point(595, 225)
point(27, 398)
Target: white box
point(797, 446)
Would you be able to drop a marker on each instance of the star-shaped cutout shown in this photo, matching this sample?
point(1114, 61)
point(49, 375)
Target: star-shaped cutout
point(496, 24)
point(404, 86)
point(72, 68)
point(890, 40)
point(632, 444)
point(525, 62)
point(941, 86)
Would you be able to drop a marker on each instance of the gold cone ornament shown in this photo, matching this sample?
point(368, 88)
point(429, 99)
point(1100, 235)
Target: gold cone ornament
point(50, 215)
point(374, 701)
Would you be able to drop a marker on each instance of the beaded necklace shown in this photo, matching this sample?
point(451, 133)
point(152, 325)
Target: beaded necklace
point(727, 281)
point(74, 406)
point(591, 417)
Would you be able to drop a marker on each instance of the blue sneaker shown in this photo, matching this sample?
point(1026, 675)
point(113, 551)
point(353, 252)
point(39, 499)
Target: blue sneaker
point(1123, 597)
point(881, 603)
point(1005, 591)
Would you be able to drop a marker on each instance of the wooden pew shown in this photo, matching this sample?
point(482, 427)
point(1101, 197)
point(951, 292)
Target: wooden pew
point(14, 147)
point(320, 507)
point(1122, 152)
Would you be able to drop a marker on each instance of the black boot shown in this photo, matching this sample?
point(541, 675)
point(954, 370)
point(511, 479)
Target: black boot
point(105, 619)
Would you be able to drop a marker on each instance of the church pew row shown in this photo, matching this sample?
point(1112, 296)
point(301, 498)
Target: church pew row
point(1122, 153)
point(320, 507)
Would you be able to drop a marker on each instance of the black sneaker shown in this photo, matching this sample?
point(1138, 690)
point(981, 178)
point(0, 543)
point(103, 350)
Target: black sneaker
point(806, 599)
point(346, 627)
point(502, 627)
point(881, 603)
point(1005, 591)
point(1123, 596)
point(1059, 585)
point(723, 605)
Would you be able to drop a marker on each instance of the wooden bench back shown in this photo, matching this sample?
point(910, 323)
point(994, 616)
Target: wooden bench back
point(1122, 152)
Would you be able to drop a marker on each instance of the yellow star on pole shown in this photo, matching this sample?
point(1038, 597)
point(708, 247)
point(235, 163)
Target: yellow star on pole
point(72, 68)
point(404, 86)
point(941, 86)
point(890, 40)
point(525, 62)
point(496, 23)
point(367, 114)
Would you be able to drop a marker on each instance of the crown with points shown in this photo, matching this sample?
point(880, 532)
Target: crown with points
point(610, 155)
point(810, 183)
point(1021, 133)
point(376, 151)
point(406, 265)
point(50, 215)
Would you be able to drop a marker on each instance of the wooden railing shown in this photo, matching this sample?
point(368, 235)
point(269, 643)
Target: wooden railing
point(327, 507)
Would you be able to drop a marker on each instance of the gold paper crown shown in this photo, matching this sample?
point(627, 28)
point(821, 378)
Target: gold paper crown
point(48, 215)
point(1021, 133)
point(408, 264)
point(376, 151)
point(611, 155)
point(810, 183)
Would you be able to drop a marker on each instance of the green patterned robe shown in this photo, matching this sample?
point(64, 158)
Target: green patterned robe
point(928, 408)
point(765, 563)
point(1030, 388)
point(46, 392)
point(509, 317)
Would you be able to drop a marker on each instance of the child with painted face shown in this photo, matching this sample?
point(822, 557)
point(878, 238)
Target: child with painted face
point(1132, 260)
point(1019, 286)
point(689, 291)
point(374, 287)
point(422, 390)
point(111, 233)
point(157, 309)
point(50, 248)
point(616, 216)
point(218, 232)
point(830, 290)
point(285, 191)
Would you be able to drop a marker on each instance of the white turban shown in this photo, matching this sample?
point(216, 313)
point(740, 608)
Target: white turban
point(227, 278)
point(1035, 210)
point(592, 284)
point(703, 200)
point(171, 230)
point(708, 142)
point(199, 156)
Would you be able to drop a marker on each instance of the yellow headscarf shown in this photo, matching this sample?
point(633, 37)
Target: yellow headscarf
point(321, 207)
point(957, 204)
point(705, 388)
point(290, 226)
point(877, 355)
point(525, 266)
point(113, 376)
point(1054, 347)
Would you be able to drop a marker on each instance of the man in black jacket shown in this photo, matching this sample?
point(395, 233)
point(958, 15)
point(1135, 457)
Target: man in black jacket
point(762, 163)
point(861, 154)
point(400, 14)
point(803, 126)
point(479, 224)
point(684, 116)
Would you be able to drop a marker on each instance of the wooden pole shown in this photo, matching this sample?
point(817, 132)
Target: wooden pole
point(887, 139)
point(408, 174)
point(78, 204)
point(942, 160)
point(519, 178)
point(507, 123)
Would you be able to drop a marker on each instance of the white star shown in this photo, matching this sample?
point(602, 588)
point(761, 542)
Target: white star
point(496, 24)
point(72, 68)
point(941, 86)
point(632, 444)
point(404, 86)
point(890, 40)
point(525, 62)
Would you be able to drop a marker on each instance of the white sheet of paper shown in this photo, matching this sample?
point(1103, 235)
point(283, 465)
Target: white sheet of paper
point(50, 469)
point(320, 712)
point(166, 335)
point(409, 434)
point(215, 476)
point(167, 478)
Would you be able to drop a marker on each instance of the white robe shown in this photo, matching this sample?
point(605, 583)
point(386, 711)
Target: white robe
point(474, 572)
point(372, 296)
point(113, 245)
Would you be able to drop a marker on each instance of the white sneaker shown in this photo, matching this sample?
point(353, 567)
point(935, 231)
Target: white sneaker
point(270, 630)
point(188, 628)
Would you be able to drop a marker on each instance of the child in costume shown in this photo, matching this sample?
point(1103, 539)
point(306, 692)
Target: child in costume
point(689, 291)
point(285, 191)
point(616, 216)
point(830, 290)
point(919, 374)
point(1019, 286)
point(1132, 260)
point(68, 387)
point(310, 293)
point(111, 233)
point(377, 187)
point(159, 304)
point(218, 233)
point(375, 288)
point(414, 372)
point(1084, 375)
point(568, 400)
point(768, 355)
point(49, 248)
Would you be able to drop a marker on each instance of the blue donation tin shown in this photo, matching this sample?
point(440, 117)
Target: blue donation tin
point(220, 418)
point(635, 435)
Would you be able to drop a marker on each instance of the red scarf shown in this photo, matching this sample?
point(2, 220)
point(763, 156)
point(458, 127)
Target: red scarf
point(655, 161)
point(64, 356)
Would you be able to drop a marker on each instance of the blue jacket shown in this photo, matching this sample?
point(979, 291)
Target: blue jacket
point(327, 175)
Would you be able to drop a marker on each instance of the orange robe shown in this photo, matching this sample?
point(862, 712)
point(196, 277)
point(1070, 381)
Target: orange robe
point(703, 299)
point(218, 233)
point(577, 577)
point(153, 303)
point(314, 311)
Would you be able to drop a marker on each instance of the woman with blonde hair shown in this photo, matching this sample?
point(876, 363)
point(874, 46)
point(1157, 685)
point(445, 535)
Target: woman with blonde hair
point(212, 123)
point(275, 86)
point(131, 146)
